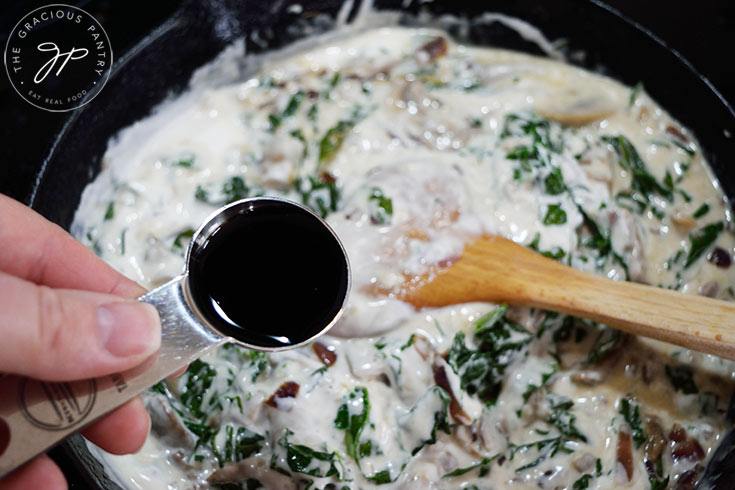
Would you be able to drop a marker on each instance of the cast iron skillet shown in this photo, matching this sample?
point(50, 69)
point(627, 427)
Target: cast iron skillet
point(161, 64)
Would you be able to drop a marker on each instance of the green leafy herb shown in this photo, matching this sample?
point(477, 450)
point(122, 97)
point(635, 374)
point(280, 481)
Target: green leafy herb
point(380, 478)
point(258, 361)
point(683, 146)
point(198, 380)
point(598, 239)
point(110, 213)
point(381, 206)
point(547, 448)
point(431, 399)
point(321, 195)
point(240, 443)
point(554, 182)
point(555, 215)
point(701, 240)
point(409, 342)
point(353, 423)
point(637, 88)
point(643, 181)
point(630, 411)
point(556, 253)
point(299, 135)
point(274, 120)
point(537, 153)
point(583, 482)
point(481, 369)
point(658, 484)
point(333, 81)
point(312, 113)
point(607, 340)
point(292, 106)
point(483, 465)
point(682, 379)
point(333, 139)
point(303, 459)
point(233, 189)
point(562, 418)
point(186, 162)
point(545, 377)
point(179, 241)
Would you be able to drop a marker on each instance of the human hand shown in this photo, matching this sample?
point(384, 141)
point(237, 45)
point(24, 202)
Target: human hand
point(66, 315)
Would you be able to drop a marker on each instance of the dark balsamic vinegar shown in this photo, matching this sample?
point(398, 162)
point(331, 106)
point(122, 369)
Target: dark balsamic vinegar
point(271, 276)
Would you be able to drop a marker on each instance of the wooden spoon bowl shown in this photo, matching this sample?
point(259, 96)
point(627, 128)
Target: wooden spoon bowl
point(496, 269)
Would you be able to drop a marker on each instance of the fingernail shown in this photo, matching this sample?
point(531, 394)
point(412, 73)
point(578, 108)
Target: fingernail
point(129, 328)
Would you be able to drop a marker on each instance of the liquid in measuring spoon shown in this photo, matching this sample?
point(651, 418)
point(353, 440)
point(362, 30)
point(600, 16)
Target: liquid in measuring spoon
point(272, 276)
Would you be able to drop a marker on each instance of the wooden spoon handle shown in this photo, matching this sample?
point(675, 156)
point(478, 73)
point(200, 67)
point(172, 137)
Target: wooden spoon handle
point(499, 270)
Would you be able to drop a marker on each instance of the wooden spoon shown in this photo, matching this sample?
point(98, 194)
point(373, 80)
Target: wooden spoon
point(498, 270)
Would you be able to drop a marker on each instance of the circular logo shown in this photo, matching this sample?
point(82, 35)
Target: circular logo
point(57, 406)
point(58, 57)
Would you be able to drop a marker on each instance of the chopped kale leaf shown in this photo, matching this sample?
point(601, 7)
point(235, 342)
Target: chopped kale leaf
point(701, 211)
point(110, 212)
point(483, 465)
point(179, 242)
point(555, 215)
point(199, 378)
point(554, 182)
point(321, 195)
point(481, 369)
point(607, 340)
point(682, 379)
point(701, 240)
point(303, 459)
point(381, 206)
point(333, 139)
point(354, 423)
point(630, 411)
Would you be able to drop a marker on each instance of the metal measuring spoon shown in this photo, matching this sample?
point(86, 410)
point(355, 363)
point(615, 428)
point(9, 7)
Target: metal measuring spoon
point(35, 415)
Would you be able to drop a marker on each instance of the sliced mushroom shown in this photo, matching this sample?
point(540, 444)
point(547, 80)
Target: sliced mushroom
point(689, 479)
point(683, 221)
point(166, 424)
point(624, 455)
point(579, 112)
point(584, 463)
point(656, 442)
point(436, 48)
point(709, 289)
point(289, 389)
point(324, 353)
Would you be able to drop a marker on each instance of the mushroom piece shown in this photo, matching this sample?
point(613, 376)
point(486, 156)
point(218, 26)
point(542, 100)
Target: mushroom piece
point(166, 424)
point(255, 468)
point(325, 354)
point(584, 463)
point(579, 112)
point(289, 389)
point(624, 455)
point(656, 442)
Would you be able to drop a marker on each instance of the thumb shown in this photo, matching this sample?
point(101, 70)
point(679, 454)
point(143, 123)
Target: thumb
point(64, 335)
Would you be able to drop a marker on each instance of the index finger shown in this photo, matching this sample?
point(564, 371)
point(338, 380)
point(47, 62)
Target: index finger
point(37, 250)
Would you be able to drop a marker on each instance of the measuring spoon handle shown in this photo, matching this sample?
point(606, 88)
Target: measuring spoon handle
point(35, 415)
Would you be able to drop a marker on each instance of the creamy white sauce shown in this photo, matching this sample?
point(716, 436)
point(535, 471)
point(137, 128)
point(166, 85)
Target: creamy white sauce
point(435, 136)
